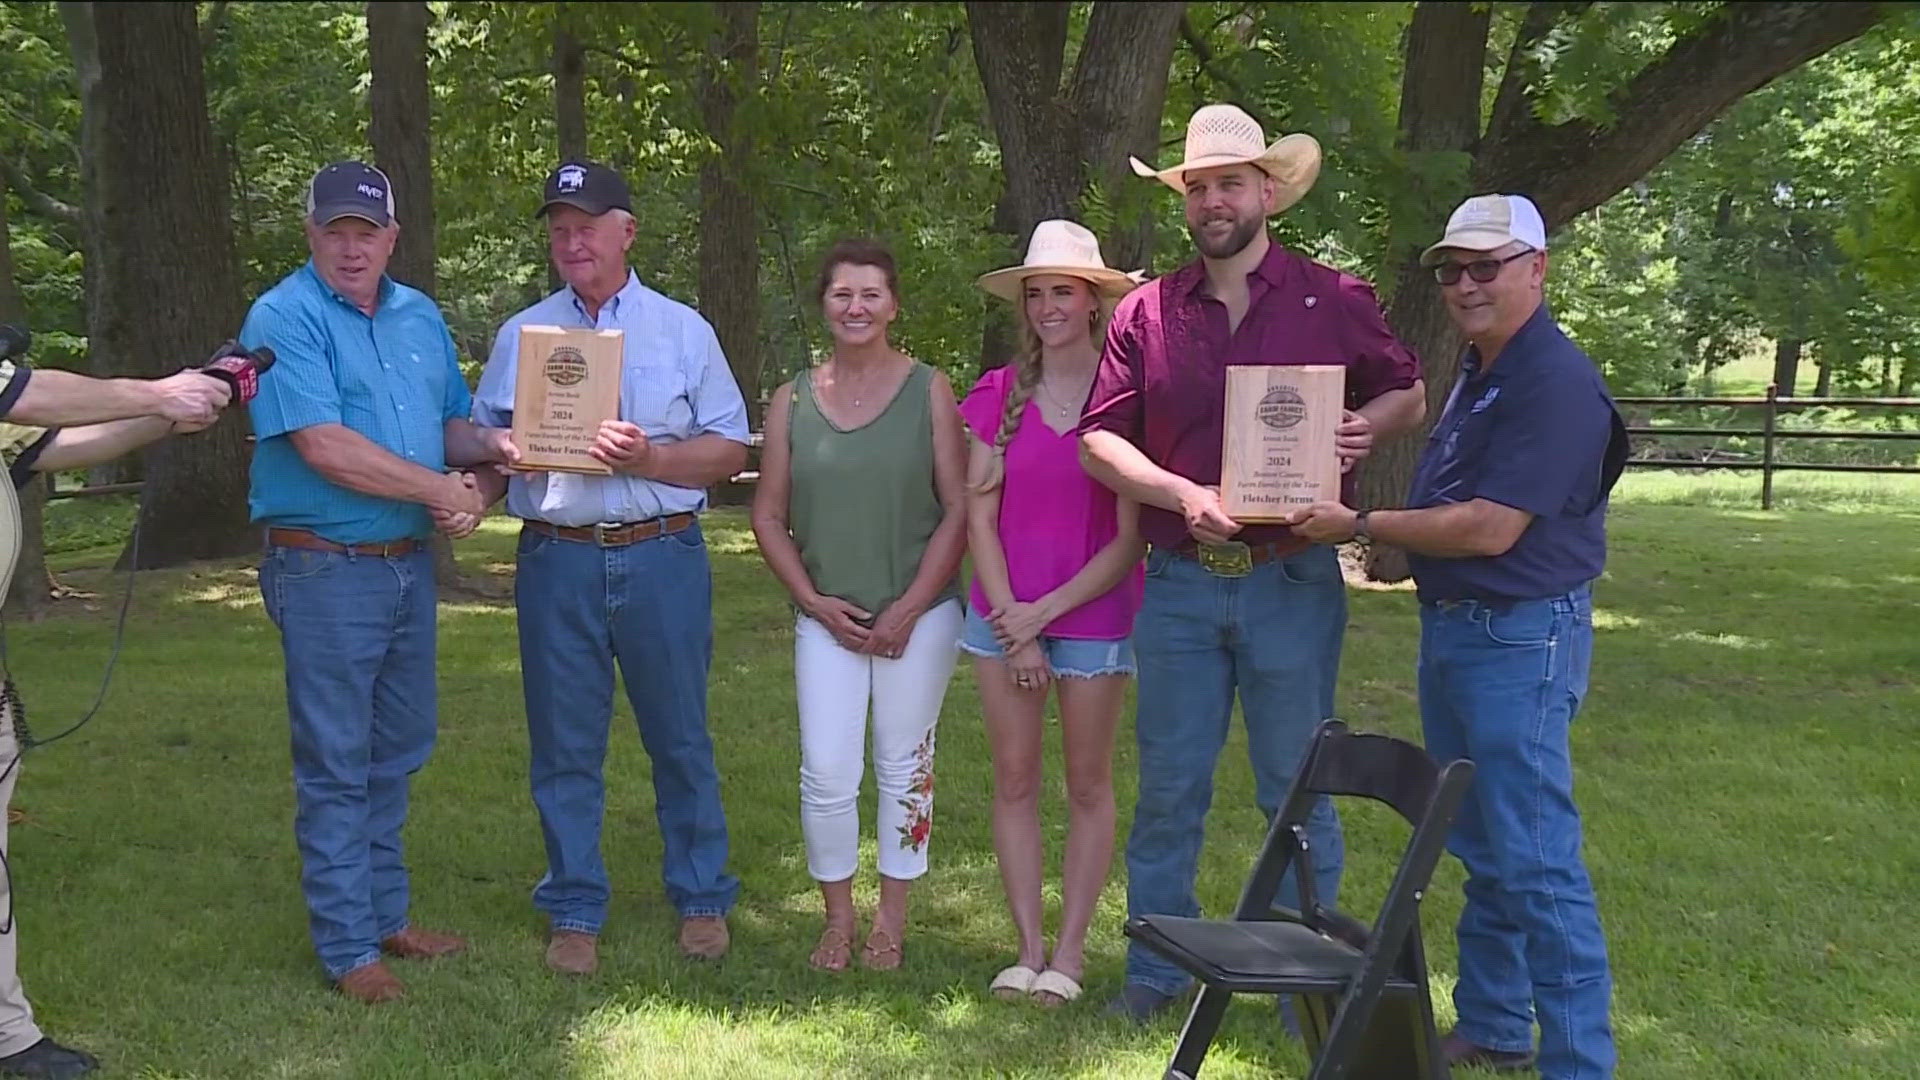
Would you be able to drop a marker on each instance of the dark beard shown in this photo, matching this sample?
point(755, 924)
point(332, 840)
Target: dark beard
point(1235, 242)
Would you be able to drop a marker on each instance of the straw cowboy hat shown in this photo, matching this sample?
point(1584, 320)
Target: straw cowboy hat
point(1225, 135)
point(1060, 247)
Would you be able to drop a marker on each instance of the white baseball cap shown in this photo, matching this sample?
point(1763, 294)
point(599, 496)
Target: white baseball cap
point(1486, 222)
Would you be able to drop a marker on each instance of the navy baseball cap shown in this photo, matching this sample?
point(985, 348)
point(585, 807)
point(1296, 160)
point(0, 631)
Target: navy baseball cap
point(587, 186)
point(350, 189)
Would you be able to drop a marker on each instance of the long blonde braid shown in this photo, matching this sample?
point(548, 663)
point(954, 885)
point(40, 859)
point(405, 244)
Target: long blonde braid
point(1026, 378)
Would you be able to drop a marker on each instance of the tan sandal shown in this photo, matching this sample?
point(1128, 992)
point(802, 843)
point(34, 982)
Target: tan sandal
point(876, 959)
point(1060, 987)
point(834, 951)
point(1013, 983)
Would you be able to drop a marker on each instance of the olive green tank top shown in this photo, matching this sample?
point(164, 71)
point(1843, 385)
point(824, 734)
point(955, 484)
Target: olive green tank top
point(862, 502)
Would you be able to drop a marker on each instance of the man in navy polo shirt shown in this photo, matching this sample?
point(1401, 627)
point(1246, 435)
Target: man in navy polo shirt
point(357, 422)
point(1505, 530)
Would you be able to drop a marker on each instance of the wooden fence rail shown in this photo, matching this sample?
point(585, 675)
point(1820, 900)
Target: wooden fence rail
point(1770, 434)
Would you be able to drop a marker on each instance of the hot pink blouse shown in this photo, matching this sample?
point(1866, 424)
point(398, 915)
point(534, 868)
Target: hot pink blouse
point(1053, 517)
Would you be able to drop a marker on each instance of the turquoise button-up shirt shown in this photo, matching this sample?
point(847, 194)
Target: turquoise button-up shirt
point(674, 384)
point(393, 377)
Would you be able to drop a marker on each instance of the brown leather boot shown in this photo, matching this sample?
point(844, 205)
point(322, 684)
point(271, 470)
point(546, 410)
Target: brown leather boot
point(371, 983)
point(413, 943)
point(1459, 1051)
point(571, 952)
point(704, 937)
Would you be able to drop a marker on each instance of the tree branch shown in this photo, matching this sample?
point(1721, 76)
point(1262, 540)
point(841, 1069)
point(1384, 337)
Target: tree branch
point(210, 29)
point(34, 199)
point(1572, 167)
point(1209, 63)
point(1541, 17)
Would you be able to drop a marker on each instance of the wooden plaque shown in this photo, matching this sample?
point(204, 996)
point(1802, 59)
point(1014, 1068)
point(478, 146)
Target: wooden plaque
point(1279, 454)
point(568, 382)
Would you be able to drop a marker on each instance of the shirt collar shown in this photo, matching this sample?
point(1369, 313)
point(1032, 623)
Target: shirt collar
point(628, 296)
point(1272, 269)
point(382, 297)
point(1524, 340)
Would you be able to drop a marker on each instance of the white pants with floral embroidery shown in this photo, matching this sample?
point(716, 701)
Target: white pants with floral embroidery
point(837, 691)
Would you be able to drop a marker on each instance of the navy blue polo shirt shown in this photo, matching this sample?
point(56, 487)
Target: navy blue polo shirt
point(1537, 431)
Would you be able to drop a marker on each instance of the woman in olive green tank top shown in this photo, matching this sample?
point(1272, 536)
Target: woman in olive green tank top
point(860, 512)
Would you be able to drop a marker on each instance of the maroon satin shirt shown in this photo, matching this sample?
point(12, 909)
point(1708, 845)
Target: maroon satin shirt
point(1162, 378)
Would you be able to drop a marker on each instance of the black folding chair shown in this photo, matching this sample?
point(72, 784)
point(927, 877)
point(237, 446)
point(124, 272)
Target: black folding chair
point(1360, 992)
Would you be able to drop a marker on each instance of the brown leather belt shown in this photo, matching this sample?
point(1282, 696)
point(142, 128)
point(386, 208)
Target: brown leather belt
point(301, 538)
point(615, 535)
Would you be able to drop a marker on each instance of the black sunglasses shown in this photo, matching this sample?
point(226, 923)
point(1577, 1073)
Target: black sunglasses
point(1480, 270)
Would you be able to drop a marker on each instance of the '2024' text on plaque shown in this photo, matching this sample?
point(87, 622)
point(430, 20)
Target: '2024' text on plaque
point(1279, 452)
point(568, 382)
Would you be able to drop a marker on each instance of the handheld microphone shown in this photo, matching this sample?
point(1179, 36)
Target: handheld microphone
point(13, 341)
point(239, 369)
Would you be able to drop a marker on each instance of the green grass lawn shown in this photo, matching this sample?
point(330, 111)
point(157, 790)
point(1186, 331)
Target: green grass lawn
point(1747, 773)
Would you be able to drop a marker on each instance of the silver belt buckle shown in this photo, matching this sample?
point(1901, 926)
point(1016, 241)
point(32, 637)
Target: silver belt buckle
point(1233, 559)
point(600, 531)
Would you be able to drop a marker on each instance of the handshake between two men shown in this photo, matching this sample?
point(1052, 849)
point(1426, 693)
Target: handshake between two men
point(461, 501)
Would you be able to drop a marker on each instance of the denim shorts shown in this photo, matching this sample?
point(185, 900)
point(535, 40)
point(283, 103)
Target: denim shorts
point(1069, 658)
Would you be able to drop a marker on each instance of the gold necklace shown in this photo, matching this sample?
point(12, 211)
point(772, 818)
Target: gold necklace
point(1047, 392)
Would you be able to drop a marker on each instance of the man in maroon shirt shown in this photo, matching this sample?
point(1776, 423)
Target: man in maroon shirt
point(1254, 608)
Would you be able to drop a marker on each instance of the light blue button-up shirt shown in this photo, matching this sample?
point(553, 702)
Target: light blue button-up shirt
point(674, 385)
point(394, 377)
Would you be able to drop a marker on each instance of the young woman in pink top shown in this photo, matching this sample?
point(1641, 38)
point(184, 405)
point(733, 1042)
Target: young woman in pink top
point(1057, 580)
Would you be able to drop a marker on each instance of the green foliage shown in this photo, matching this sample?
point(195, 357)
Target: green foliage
point(1791, 216)
point(1770, 225)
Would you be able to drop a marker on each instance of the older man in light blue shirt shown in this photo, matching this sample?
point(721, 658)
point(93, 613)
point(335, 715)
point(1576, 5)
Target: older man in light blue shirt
point(614, 568)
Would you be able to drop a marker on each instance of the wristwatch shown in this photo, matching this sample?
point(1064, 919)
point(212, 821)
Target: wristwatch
point(1360, 527)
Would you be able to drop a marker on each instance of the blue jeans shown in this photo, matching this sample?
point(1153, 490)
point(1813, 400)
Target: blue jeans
point(1274, 636)
point(357, 635)
point(649, 606)
point(1501, 688)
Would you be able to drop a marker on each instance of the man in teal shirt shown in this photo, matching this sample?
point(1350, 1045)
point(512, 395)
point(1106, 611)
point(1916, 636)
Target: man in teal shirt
point(356, 424)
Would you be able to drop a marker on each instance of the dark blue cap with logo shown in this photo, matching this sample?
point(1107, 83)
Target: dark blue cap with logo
point(350, 189)
point(593, 188)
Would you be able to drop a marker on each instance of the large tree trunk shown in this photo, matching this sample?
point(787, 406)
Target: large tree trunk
point(569, 104)
point(1571, 167)
point(1786, 364)
point(1439, 123)
point(1053, 139)
point(165, 289)
point(402, 131)
point(729, 273)
point(28, 592)
point(1823, 383)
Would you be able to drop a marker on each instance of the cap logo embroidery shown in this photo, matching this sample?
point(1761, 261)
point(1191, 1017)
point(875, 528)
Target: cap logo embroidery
point(370, 191)
point(572, 177)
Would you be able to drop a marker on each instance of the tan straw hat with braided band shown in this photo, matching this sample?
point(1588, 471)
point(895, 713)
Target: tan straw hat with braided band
point(1225, 135)
point(1059, 246)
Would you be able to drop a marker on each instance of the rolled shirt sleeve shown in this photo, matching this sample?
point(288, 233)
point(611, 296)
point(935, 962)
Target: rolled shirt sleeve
point(1546, 451)
point(1378, 361)
point(718, 406)
point(493, 401)
point(1114, 403)
point(298, 391)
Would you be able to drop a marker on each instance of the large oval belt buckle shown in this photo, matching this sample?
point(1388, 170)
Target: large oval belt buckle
point(1231, 559)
